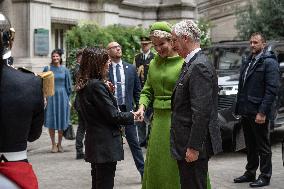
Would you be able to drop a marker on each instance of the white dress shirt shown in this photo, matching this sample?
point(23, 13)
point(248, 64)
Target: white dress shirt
point(145, 55)
point(190, 55)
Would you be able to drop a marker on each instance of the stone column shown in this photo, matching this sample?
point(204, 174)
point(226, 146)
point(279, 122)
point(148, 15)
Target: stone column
point(6, 8)
point(28, 16)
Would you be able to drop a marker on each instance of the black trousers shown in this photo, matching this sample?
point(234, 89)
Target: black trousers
point(193, 175)
point(80, 134)
point(103, 175)
point(257, 139)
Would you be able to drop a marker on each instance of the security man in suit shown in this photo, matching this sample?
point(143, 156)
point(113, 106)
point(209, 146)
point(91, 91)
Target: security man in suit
point(257, 90)
point(142, 61)
point(21, 117)
point(195, 134)
point(127, 90)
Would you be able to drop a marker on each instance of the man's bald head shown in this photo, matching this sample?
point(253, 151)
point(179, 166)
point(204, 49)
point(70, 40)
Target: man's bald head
point(114, 51)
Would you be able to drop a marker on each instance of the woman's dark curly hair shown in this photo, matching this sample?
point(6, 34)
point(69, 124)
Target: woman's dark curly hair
point(92, 66)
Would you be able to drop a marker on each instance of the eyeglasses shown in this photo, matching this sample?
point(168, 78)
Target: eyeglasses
point(114, 47)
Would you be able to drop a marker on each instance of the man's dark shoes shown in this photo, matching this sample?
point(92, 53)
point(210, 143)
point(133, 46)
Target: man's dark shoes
point(244, 178)
point(259, 183)
point(80, 156)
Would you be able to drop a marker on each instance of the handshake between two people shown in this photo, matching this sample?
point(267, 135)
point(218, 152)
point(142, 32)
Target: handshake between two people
point(139, 114)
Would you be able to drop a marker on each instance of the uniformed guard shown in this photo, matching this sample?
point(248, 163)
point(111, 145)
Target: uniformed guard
point(21, 117)
point(143, 59)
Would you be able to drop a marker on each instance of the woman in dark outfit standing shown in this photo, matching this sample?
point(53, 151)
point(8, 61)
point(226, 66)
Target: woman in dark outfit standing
point(103, 143)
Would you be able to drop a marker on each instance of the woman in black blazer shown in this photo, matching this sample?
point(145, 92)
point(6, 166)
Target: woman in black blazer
point(103, 143)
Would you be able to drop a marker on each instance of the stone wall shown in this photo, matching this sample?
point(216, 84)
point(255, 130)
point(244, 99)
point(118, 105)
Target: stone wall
point(28, 15)
point(221, 13)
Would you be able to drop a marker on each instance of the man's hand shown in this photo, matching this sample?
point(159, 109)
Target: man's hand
point(136, 117)
point(191, 155)
point(140, 113)
point(260, 118)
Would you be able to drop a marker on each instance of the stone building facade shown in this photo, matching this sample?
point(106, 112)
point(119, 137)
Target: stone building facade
point(221, 13)
point(40, 24)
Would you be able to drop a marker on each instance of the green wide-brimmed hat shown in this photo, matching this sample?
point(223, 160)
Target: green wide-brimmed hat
point(163, 26)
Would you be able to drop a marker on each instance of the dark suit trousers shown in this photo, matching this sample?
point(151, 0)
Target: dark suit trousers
point(193, 175)
point(131, 135)
point(103, 175)
point(257, 138)
point(80, 134)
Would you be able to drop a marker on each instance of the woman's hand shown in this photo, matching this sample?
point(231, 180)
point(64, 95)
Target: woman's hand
point(136, 117)
point(140, 113)
point(110, 86)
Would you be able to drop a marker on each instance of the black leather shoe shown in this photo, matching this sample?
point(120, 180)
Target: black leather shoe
point(259, 183)
point(244, 178)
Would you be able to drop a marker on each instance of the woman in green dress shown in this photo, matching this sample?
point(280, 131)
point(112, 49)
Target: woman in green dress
point(161, 169)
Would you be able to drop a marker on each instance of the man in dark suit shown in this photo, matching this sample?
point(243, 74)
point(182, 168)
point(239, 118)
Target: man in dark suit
point(195, 134)
point(81, 130)
point(21, 118)
point(127, 91)
point(142, 61)
point(258, 86)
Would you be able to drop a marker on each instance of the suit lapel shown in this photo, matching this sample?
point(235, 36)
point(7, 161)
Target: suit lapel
point(111, 96)
point(185, 69)
point(181, 75)
point(110, 74)
point(141, 57)
point(243, 68)
point(125, 68)
point(252, 69)
point(149, 56)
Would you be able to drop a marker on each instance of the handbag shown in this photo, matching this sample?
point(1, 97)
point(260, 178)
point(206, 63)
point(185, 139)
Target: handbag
point(69, 133)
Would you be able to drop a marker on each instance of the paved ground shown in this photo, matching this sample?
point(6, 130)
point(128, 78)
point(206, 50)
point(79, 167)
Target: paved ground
point(61, 170)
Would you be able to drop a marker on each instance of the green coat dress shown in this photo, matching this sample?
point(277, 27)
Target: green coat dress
point(161, 169)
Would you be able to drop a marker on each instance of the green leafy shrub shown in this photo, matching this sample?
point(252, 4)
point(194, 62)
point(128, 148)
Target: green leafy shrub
point(91, 34)
point(204, 25)
point(261, 16)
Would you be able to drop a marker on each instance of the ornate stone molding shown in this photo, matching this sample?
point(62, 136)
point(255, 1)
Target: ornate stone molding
point(31, 1)
point(219, 8)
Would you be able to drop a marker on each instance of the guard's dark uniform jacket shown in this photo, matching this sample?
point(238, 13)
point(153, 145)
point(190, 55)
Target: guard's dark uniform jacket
point(21, 109)
point(139, 61)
